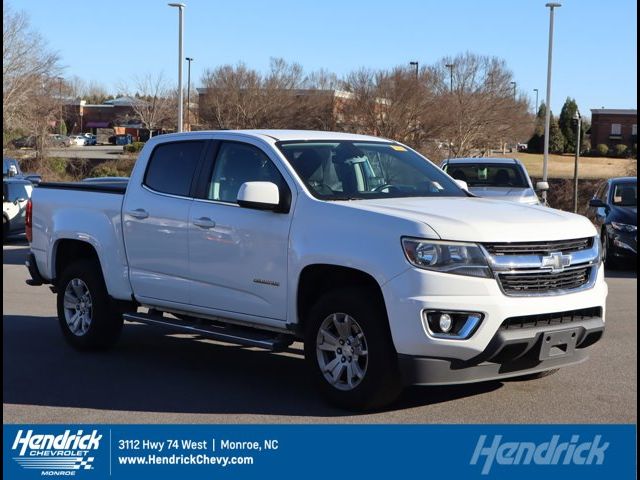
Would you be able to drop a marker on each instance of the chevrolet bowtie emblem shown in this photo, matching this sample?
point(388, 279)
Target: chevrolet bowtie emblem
point(557, 261)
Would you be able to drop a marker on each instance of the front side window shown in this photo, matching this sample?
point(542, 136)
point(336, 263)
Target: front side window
point(236, 164)
point(616, 129)
point(625, 194)
point(489, 175)
point(172, 166)
point(347, 170)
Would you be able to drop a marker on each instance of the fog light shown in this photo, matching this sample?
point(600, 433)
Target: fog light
point(445, 323)
point(450, 324)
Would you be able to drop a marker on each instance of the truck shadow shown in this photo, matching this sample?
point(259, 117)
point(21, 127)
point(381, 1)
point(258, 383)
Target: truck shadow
point(152, 370)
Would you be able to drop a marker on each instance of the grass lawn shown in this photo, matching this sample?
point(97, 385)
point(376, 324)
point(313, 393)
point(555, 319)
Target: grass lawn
point(561, 166)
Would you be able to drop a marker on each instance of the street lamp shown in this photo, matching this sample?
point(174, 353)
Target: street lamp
point(415, 64)
point(450, 67)
point(547, 116)
point(180, 7)
point(576, 122)
point(514, 90)
point(536, 110)
point(189, 60)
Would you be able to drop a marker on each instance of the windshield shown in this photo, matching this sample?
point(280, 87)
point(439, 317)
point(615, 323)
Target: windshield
point(347, 170)
point(506, 175)
point(625, 194)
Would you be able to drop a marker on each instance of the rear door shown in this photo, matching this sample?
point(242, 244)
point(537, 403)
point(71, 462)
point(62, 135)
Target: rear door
point(156, 222)
point(238, 255)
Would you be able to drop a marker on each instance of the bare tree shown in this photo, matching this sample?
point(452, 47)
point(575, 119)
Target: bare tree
point(27, 63)
point(476, 92)
point(153, 102)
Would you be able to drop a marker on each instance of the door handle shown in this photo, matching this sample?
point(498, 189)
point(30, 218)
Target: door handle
point(204, 222)
point(139, 213)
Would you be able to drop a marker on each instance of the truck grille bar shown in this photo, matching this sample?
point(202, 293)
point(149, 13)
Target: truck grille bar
point(539, 248)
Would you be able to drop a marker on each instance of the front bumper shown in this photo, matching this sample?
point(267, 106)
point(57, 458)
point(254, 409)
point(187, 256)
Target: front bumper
point(405, 300)
point(509, 354)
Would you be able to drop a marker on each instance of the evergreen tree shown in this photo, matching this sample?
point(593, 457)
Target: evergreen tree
point(536, 142)
point(566, 125)
point(556, 138)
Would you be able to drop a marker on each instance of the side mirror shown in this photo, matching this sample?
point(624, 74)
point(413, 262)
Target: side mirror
point(542, 186)
point(463, 185)
point(259, 195)
point(597, 203)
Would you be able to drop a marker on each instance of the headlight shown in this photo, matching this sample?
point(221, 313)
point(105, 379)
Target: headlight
point(447, 257)
point(624, 227)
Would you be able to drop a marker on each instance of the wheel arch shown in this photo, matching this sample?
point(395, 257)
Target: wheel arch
point(315, 280)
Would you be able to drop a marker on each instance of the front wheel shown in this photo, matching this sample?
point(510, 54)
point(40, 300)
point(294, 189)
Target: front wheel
point(86, 316)
point(349, 350)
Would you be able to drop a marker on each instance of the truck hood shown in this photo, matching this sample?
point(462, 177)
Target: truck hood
point(509, 193)
point(483, 219)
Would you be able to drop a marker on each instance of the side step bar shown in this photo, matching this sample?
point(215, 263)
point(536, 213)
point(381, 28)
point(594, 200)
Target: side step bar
point(251, 337)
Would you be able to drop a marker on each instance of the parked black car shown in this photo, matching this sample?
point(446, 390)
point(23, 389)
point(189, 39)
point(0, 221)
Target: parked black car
point(24, 142)
point(614, 211)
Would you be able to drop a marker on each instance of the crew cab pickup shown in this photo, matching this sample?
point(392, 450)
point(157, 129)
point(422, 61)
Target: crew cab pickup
point(384, 267)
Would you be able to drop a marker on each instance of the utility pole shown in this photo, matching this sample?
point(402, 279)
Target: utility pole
point(547, 116)
point(536, 110)
point(450, 67)
point(189, 60)
point(180, 7)
point(415, 64)
point(577, 122)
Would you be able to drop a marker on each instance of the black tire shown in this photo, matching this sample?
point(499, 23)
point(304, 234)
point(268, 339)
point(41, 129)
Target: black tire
point(536, 376)
point(105, 322)
point(381, 383)
point(6, 227)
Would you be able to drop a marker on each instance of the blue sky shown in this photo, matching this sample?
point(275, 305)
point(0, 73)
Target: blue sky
point(595, 41)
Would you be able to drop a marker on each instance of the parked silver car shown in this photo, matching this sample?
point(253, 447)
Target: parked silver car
point(500, 178)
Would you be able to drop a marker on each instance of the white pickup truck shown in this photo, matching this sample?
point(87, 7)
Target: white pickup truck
point(388, 271)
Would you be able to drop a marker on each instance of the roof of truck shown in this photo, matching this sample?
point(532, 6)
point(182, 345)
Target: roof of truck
point(297, 135)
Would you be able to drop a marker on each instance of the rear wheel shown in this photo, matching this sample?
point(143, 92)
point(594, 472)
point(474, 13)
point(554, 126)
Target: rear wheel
point(5, 228)
point(349, 350)
point(86, 316)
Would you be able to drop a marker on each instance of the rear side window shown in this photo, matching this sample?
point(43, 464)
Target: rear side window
point(172, 166)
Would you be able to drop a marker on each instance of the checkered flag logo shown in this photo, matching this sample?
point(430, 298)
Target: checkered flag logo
point(86, 464)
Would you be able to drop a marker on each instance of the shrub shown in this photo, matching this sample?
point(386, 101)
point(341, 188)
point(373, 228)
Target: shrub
point(104, 170)
point(134, 147)
point(602, 149)
point(56, 165)
point(621, 150)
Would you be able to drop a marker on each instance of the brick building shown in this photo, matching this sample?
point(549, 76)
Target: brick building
point(613, 127)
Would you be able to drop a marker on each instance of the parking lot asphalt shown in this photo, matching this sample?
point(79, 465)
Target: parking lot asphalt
point(153, 376)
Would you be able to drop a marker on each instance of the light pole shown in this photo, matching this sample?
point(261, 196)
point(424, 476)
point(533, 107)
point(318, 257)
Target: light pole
point(576, 122)
point(415, 64)
point(515, 147)
point(60, 100)
point(189, 60)
point(450, 67)
point(536, 110)
point(547, 116)
point(180, 7)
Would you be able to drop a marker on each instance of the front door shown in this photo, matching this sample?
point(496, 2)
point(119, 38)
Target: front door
point(238, 255)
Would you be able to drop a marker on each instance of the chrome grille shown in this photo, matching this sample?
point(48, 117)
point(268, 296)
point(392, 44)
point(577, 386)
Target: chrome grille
point(538, 248)
point(541, 281)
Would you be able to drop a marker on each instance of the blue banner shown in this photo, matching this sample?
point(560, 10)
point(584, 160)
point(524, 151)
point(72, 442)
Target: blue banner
point(319, 451)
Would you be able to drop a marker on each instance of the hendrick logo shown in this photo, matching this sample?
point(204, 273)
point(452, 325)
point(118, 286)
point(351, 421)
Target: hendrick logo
point(552, 452)
point(56, 455)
